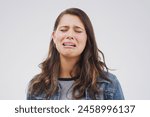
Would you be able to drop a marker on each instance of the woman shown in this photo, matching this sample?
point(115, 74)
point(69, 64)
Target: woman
point(73, 68)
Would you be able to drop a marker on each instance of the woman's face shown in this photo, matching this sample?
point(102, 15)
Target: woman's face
point(70, 36)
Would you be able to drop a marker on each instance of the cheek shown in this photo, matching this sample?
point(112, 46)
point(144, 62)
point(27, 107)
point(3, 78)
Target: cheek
point(82, 43)
point(59, 36)
point(82, 39)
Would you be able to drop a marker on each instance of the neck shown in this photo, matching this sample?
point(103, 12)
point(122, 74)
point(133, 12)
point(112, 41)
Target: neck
point(67, 66)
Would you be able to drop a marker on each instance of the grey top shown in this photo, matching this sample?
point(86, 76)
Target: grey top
point(66, 88)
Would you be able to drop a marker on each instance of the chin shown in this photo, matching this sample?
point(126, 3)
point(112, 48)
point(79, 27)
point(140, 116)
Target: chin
point(69, 55)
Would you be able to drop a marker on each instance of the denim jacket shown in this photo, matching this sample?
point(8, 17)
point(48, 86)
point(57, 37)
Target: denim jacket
point(110, 91)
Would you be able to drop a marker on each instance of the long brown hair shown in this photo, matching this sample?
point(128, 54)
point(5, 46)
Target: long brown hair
point(89, 67)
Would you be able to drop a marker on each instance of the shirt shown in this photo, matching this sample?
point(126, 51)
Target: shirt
point(66, 88)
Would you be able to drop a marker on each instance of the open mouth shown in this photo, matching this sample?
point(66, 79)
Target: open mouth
point(69, 44)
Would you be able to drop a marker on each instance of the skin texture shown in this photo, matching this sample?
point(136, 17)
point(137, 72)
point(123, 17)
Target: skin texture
point(70, 39)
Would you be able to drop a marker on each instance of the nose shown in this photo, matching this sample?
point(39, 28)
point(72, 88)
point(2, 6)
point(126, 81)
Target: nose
point(70, 34)
point(70, 37)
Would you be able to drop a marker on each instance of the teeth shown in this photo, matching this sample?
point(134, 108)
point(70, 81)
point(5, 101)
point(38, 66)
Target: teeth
point(68, 45)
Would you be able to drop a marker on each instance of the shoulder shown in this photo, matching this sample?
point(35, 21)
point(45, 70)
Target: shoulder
point(110, 83)
point(112, 79)
point(112, 88)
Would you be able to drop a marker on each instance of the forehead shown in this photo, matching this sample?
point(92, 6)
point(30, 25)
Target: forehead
point(69, 20)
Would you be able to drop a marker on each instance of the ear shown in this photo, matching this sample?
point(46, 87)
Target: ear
point(53, 36)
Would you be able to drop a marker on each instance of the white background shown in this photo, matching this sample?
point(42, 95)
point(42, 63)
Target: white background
point(94, 108)
point(122, 29)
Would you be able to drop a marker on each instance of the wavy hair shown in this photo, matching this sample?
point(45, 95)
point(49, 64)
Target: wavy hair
point(90, 66)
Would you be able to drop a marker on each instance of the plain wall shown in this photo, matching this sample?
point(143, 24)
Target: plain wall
point(122, 30)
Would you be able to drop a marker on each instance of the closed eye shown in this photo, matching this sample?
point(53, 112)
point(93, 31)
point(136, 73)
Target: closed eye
point(78, 31)
point(63, 30)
